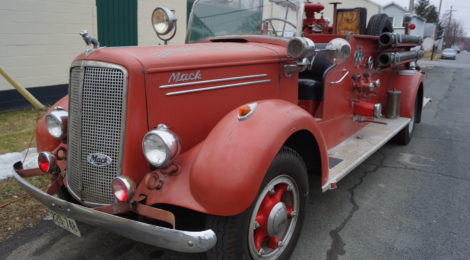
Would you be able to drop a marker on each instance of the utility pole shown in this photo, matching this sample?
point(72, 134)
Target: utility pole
point(448, 24)
point(411, 7)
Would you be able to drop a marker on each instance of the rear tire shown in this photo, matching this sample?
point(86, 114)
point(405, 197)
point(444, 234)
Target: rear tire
point(378, 24)
point(236, 235)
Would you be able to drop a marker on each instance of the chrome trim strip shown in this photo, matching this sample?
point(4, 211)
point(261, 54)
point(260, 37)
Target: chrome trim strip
point(212, 81)
point(173, 239)
point(91, 63)
point(217, 87)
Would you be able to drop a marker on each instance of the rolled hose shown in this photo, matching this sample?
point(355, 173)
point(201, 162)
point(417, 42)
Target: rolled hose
point(388, 39)
point(393, 58)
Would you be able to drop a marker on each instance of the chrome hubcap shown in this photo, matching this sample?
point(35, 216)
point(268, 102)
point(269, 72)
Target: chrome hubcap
point(274, 218)
point(277, 220)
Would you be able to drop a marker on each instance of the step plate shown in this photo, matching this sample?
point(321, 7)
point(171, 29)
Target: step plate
point(357, 148)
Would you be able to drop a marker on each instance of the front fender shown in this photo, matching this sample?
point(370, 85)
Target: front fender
point(44, 141)
point(230, 167)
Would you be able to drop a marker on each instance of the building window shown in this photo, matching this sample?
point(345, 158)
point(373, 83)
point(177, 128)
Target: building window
point(397, 21)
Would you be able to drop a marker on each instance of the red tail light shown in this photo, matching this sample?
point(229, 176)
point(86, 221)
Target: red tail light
point(46, 162)
point(123, 188)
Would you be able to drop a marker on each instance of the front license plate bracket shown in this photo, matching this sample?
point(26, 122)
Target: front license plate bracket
point(66, 223)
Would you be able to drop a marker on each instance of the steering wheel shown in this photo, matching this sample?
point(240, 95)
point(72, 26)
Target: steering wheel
point(270, 21)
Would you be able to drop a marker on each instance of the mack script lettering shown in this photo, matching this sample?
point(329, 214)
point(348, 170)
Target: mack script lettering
point(99, 159)
point(180, 77)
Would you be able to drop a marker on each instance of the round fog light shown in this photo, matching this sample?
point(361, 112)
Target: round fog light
point(47, 162)
point(123, 188)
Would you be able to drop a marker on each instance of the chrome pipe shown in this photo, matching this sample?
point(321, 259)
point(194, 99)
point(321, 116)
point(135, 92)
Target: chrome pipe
point(390, 39)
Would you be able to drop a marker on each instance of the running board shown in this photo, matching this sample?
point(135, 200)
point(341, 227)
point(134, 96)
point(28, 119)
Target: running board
point(347, 155)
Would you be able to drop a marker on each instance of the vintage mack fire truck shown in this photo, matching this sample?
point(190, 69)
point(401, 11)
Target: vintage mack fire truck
point(266, 101)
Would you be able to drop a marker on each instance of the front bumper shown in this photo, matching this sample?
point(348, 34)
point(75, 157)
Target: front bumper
point(447, 57)
point(177, 240)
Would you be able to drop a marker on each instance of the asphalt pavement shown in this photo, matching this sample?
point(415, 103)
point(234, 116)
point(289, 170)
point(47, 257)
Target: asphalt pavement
point(405, 202)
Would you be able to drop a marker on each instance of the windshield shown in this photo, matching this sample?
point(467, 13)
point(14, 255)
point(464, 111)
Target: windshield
point(278, 18)
point(449, 51)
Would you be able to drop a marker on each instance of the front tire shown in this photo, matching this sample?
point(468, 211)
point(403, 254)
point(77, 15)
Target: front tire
point(270, 227)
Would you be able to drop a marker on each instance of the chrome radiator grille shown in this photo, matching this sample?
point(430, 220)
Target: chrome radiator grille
point(97, 98)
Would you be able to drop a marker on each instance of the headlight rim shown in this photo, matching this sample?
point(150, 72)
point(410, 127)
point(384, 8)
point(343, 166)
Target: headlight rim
point(171, 152)
point(60, 116)
point(170, 20)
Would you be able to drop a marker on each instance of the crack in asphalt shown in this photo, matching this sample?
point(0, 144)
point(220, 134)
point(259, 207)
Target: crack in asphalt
point(337, 244)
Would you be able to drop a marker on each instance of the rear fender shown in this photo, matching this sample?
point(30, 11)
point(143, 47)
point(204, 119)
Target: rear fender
point(235, 156)
point(409, 86)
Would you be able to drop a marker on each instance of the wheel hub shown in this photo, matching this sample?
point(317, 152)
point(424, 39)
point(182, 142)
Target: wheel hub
point(274, 218)
point(277, 219)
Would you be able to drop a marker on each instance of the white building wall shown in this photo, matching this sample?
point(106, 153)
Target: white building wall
point(393, 11)
point(428, 42)
point(39, 39)
point(146, 35)
point(419, 23)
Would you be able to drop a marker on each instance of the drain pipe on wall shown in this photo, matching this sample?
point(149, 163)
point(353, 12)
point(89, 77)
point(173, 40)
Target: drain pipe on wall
point(24, 92)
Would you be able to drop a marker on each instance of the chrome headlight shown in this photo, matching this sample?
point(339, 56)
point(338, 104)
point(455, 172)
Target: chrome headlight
point(163, 20)
point(56, 123)
point(161, 146)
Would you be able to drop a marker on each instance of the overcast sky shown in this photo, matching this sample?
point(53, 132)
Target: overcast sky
point(462, 6)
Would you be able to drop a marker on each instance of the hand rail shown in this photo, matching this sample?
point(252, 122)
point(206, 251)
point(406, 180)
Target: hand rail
point(342, 78)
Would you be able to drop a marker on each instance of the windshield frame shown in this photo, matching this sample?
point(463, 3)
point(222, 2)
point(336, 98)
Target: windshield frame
point(298, 33)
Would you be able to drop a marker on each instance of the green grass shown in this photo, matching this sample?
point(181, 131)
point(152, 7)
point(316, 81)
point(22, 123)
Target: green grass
point(16, 129)
point(427, 55)
point(26, 212)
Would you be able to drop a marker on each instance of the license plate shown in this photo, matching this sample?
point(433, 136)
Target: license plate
point(66, 223)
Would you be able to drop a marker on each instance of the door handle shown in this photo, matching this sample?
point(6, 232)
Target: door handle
point(346, 72)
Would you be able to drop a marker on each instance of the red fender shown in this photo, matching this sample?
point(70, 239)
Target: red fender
point(408, 85)
point(44, 141)
point(235, 156)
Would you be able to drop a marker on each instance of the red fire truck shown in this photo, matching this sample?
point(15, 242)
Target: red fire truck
point(266, 101)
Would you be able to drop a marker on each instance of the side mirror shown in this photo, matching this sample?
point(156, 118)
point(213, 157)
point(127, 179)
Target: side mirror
point(164, 22)
point(338, 50)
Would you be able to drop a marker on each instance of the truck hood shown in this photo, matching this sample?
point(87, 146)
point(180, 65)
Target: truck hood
point(155, 71)
point(190, 56)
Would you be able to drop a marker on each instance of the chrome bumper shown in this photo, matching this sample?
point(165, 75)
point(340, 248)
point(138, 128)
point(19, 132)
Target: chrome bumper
point(177, 240)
